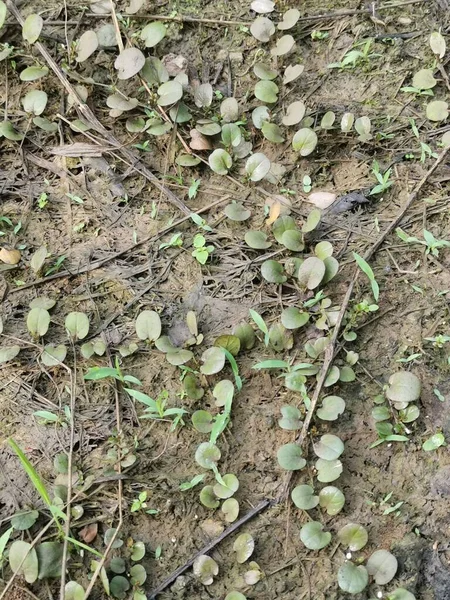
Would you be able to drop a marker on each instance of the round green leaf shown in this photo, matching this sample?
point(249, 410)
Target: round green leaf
point(257, 166)
point(272, 132)
point(236, 212)
point(230, 509)
point(381, 413)
point(311, 272)
point(207, 455)
point(437, 110)
point(353, 536)
point(53, 355)
point(8, 353)
point(329, 447)
point(401, 594)
point(266, 91)
point(73, 591)
point(38, 321)
point(352, 579)
point(437, 44)
point(203, 95)
point(246, 335)
point(312, 220)
point(119, 587)
point(328, 120)
point(87, 45)
point(229, 489)
point(106, 36)
point(208, 127)
point(205, 569)
point(404, 387)
point(263, 71)
point(290, 419)
point(434, 442)
point(138, 575)
point(294, 113)
point(129, 62)
point(282, 224)
point(202, 421)
point(231, 134)
point(235, 596)
point(292, 72)
point(220, 161)
point(293, 318)
point(119, 102)
point(304, 141)
point(223, 392)
point(328, 470)
point(243, 546)
point(332, 407)
point(290, 457)
point(229, 110)
point(3, 11)
point(262, 29)
point(347, 122)
point(117, 565)
point(230, 342)
point(33, 73)
point(29, 567)
point(363, 127)
point(409, 414)
point(148, 325)
point(32, 27)
point(77, 325)
point(332, 499)
point(424, 80)
point(313, 537)
point(109, 534)
point(303, 497)
point(35, 102)
point(331, 269)
point(382, 565)
point(257, 240)
point(153, 33)
point(208, 498)
point(24, 519)
point(45, 124)
point(295, 381)
point(293, 240)
point(169, 93)
point(137, 551)
point(8, 131)
point(283, 45)
point(187, 160)
point(273, 271)
point(135, 124)
point(290, 18)
point(259, 115)
point(213, 361)
point(154, 72)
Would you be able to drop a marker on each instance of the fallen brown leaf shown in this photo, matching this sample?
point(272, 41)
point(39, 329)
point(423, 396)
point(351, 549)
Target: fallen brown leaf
point(321, 199)
point(10, 257)
point(88, 533)
point(199, 141)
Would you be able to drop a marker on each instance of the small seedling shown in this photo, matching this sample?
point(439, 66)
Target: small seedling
point(355, 58)
point(432, 245)
point(193, 188)
point(140, 503)
point(365, 268)
point(201, 251)
point(42, 200)
point(384, 181)
point(176, 241)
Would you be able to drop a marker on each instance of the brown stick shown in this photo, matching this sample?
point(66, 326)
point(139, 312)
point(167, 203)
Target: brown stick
point(231, 529)
point(330, 350)
point(89, 116)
